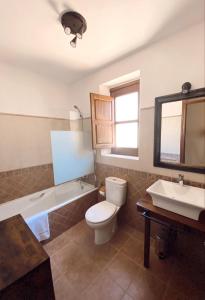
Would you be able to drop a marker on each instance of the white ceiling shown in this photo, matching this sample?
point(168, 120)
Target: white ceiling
point(31, 35)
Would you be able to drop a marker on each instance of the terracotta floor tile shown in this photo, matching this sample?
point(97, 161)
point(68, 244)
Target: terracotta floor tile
point(100, 255)
point(120, 238)
point(172, 294)
point(122, 270)
point(55, 270)
point(64, 291)
point(163, 268)
point(104, 288)
point(70, 255)
point(197, 295)
point(145, 286)
point(58, 243)
point(82, 270)
point(80, 277)
point(133, 232)
point(139, 235)
point(134, 248)
point(82, 234)
point(188, 279)
point(127, 297)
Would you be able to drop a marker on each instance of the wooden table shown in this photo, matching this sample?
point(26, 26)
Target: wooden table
point(25, 271)
point(161, 216)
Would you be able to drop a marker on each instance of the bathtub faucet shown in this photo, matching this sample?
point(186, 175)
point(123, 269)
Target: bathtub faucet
point(81, 184)
point(181, 179)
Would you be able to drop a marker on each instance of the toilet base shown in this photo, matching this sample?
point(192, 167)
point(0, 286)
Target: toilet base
point(105, 233)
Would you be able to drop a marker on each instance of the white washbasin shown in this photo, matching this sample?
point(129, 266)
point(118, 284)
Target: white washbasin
point(184, 200)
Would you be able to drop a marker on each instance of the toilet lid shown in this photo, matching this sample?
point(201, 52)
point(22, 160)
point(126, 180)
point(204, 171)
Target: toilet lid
point(100, 212)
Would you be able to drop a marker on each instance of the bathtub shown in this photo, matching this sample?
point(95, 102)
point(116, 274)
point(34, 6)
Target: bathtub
point(46, 201)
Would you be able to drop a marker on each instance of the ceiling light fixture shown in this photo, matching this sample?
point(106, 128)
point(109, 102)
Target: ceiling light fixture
point(186, 87)
point(75, 24)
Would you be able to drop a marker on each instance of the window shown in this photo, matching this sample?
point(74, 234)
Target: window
point(126, 122)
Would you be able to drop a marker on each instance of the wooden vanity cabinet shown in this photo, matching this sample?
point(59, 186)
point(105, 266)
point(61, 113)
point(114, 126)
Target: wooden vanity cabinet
point(25, 271)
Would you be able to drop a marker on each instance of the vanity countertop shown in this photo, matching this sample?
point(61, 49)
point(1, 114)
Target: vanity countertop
point(23, 261)
point(145, 205)
point(161, 216)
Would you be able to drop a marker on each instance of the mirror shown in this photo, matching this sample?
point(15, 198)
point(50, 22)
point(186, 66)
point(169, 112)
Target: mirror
point(180, 131)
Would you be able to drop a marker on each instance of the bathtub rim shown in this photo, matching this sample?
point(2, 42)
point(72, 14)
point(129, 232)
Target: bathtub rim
point(52, 190)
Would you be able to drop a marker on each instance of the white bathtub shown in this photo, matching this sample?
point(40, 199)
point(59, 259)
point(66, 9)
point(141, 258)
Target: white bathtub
point(45, 201)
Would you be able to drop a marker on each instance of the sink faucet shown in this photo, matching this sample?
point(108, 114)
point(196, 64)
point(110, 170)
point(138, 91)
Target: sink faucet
point(181, 179)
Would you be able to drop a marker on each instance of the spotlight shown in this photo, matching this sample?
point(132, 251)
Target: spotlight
point(74, 42)
point(67, 30)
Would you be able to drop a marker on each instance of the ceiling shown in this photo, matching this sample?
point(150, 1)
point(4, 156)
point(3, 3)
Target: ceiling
point(33, 38)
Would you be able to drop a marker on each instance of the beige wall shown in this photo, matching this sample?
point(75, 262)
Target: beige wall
point(28, 93)
point(164, 67)
point(80, 124)
point(25, 141)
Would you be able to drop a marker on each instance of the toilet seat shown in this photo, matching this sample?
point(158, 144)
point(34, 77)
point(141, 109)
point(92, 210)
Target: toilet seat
point(100, 212)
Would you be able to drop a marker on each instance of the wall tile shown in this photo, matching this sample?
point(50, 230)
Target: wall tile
point(67, 216)
point(21, 182)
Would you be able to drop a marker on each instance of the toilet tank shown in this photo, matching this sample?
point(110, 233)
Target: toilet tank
point(116, 190)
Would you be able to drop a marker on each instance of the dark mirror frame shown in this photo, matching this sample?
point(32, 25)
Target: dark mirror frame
point(157, 129)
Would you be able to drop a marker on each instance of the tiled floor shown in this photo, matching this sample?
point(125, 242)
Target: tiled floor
point(82, 270)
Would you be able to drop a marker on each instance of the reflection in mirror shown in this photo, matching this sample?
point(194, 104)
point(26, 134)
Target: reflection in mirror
point(183, 132)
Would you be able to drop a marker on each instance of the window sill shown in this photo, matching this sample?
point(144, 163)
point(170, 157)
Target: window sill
point(120, 156)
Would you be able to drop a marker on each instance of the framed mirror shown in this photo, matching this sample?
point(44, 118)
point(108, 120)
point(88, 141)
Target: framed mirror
point(179, 138)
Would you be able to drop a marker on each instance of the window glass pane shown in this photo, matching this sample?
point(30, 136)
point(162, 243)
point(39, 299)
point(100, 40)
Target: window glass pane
point(127, 135)
point(126, 107)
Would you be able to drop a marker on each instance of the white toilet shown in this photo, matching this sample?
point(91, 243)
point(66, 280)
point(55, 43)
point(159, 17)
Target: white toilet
point(102, 217)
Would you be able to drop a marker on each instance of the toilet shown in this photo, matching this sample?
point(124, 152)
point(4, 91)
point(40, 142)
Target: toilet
point(102, 217)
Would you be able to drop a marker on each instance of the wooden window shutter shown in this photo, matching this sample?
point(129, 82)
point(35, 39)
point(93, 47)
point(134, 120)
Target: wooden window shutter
point(102, 117)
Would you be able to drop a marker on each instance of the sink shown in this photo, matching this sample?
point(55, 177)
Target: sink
point(184, 200)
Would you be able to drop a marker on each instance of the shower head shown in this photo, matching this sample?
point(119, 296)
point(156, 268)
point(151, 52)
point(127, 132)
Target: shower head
point(75, 106)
